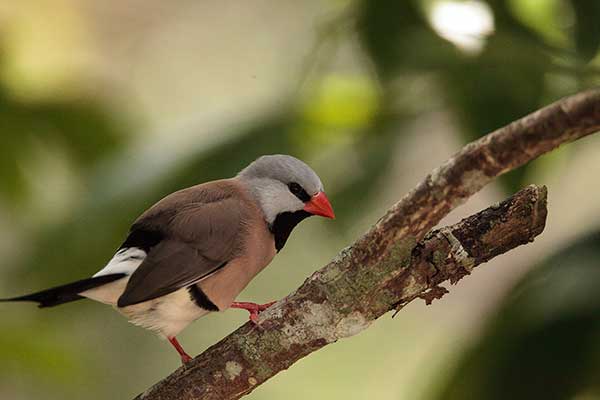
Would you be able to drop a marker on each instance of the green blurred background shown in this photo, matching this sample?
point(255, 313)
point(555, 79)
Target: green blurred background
point(106, 106)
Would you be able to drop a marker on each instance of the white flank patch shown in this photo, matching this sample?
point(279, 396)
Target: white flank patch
point(167, 315)
point(124, 262)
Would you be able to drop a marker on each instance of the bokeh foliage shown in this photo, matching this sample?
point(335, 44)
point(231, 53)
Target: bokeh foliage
point(543, 340)
point(84, 129)
point(535, 54)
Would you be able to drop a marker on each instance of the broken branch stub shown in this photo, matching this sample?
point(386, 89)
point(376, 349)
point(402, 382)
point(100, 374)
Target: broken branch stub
point(332, 304)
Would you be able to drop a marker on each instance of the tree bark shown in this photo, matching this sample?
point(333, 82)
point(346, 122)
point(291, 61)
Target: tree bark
point(394, 262)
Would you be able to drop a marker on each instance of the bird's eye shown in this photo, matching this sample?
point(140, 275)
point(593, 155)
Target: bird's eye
point(295, 188)
point(298, 191)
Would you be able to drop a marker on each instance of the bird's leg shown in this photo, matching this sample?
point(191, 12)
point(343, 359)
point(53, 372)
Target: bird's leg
point(185, 357)
point(253, 308)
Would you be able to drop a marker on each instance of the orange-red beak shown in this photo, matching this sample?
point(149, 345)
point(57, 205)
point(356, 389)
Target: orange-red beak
point(319, 205)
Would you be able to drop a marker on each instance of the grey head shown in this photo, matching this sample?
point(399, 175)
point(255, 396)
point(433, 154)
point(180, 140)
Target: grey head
point(281, 184)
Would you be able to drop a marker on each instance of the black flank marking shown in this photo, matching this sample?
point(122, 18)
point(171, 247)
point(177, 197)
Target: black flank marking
point(66, 293)
point(201, 299)
point(283, 225)
point(142, 238)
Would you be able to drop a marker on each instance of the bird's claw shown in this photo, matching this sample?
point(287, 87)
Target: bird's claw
point(253, 308)
point(185, 358)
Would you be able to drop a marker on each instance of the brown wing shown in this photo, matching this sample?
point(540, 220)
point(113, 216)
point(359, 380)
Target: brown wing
point(198, 230)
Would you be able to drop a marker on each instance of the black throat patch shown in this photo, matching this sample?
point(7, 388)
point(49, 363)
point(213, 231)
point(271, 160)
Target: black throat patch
point(284, 224)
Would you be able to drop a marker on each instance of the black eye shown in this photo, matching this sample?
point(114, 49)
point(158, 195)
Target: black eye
point(299, 192)
point(295, 188)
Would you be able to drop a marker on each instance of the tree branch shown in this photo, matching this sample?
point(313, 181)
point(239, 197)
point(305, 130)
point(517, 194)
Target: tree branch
point(306, 320)
point(450, 253)
point(393, 263)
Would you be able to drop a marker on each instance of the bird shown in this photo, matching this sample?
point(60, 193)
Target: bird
point(195, 250)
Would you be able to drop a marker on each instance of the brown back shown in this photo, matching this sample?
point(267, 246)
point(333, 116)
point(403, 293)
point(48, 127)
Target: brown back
point(200, 229)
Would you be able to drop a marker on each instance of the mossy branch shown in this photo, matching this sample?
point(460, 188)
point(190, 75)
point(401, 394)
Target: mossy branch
point(394, 262)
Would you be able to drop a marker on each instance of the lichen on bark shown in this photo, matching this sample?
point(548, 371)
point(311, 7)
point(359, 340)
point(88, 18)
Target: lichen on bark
point(394, 262)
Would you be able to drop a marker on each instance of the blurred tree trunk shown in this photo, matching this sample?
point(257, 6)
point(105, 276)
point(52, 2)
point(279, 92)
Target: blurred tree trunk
point(396, 261)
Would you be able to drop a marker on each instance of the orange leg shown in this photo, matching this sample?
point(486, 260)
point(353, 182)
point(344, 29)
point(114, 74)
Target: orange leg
point(253, 308)
point(185, 358)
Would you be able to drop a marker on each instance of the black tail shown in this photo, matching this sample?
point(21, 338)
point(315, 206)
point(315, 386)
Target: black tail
point(66, 293)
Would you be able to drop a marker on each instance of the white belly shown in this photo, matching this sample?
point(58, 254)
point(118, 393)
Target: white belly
point(167, 315)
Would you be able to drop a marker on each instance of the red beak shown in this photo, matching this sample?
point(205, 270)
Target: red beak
point(319, 205)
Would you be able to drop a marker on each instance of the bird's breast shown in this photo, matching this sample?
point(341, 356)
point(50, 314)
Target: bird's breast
point(223, 287)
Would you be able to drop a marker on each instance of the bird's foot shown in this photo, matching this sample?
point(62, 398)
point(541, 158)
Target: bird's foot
point(185, 357)
point(253, 308)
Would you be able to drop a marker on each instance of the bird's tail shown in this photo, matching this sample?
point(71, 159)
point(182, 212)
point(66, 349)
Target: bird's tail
point(66, 293)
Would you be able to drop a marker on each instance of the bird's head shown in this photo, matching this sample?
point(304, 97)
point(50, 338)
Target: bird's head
point(283, 184)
